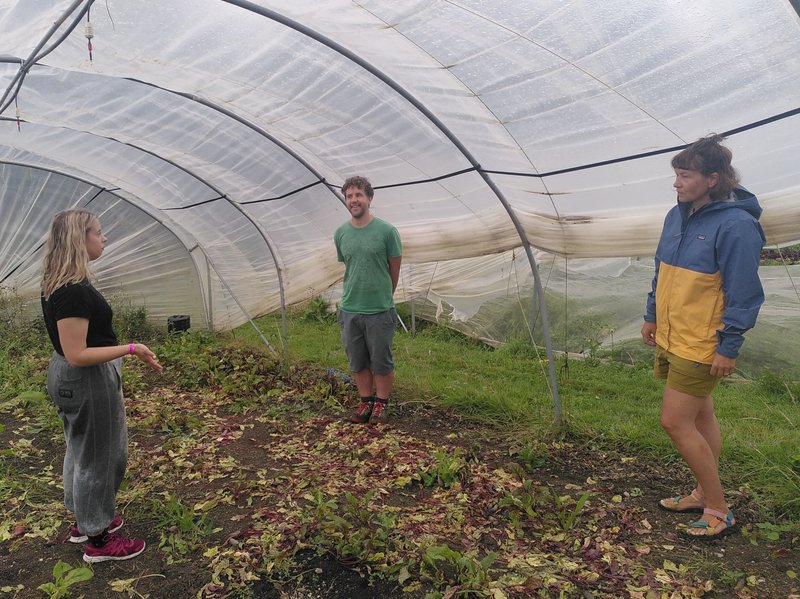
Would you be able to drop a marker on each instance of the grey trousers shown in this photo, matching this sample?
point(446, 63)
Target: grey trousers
point(89, 401)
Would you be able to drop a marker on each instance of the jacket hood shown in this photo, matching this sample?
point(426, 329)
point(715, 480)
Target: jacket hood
point(744, 200)
point(740, 199)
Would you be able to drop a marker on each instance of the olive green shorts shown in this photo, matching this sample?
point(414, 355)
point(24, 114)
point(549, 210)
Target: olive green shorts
point(692, 378)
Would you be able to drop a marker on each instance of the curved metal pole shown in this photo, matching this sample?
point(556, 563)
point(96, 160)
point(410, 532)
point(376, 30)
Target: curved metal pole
point(155, 214)
point(258, 228)
point(254, 128)
point(144, 207)
point(322, 39)
point(16, 82)
point(279, 271)
point(282, 146)
point(222, 196)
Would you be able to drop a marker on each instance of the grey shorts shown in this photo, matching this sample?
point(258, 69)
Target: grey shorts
point(367, 340)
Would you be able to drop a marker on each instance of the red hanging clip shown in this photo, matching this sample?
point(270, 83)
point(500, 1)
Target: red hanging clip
point(89, 33)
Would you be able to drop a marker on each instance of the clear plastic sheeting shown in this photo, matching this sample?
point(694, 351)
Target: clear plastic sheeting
point(213, 137)
point(595, 306)
point(140, 252)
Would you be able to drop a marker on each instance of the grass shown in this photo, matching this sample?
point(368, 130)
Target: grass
point(216, 381)
point(606, 403)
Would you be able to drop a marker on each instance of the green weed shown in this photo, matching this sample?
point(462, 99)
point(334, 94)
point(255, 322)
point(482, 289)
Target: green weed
point(521, 347)
point(21, 371)
point(352, 529)
point(241, 373)
point(318, 310)
point(324, 392)
point(779, 386)
point(731, 577)
point(64, 576)
point(188, 358)
point(533, 455)
point(447, 469)
point(174, 421)
point(10, 484)
point(528, 500)
point(133, 379)
point(131, 322)
point(21, 325)
point(767, 532)
point(39, 413)
point(182, 528)
point(566, 512)
point(445, 566)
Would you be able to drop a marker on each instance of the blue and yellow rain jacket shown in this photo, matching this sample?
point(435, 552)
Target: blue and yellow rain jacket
point(706, 291)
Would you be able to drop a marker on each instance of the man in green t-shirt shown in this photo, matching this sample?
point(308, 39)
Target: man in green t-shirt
point(371, 251)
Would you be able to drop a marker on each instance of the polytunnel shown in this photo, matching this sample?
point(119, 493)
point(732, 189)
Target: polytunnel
point(212, 136)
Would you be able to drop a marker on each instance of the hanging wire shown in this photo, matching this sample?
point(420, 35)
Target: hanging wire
point(430, 283)
point(788, 273)
point(513, 274)
point(535, 310)
point(16, 106)
point(110, 18)
point(564, 370)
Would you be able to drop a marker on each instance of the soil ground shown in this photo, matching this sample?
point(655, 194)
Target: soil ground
point(230, 469)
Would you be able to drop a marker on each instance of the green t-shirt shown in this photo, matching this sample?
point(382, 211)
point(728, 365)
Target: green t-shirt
point(365, 251)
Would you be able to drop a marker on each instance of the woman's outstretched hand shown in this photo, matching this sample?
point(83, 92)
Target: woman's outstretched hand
point(146, 355)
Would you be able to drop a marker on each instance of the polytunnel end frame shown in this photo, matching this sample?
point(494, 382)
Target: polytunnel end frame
point(356, 59)
point(279, 18)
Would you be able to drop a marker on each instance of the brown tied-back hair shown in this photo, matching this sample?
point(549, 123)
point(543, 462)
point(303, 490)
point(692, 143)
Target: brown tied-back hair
point(358, 182)
point(66, 259)
point(707, 156)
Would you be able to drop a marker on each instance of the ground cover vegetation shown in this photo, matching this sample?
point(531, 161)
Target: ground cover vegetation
point(780, 256)
point(246, 482)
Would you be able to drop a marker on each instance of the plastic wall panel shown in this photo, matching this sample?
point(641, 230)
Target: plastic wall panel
point(525, 87)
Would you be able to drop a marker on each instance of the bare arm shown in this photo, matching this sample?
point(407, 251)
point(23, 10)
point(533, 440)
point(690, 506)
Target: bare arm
point(72, 334)
point(394, 270)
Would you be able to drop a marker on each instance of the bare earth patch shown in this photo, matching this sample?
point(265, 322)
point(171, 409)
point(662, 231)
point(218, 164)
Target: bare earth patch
point(280, 497)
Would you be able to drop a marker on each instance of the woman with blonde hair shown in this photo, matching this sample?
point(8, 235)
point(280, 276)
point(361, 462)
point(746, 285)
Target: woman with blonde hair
point(84, 381)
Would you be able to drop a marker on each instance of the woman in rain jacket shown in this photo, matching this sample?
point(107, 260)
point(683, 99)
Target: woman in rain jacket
point(706, 293)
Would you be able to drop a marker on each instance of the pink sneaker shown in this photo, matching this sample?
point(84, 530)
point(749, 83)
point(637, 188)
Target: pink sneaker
point(76, 536)
point(116, 548)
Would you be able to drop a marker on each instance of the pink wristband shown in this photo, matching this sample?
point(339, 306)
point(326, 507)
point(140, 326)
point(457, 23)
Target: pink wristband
point(131, 348)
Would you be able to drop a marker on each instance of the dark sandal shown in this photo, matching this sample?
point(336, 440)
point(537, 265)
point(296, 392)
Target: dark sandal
point(711, 532)
point(670, 504)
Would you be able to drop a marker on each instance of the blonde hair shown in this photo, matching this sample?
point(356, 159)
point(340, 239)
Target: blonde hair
point(66, 259)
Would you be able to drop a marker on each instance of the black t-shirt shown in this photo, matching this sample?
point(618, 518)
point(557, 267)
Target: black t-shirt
point(79, 300)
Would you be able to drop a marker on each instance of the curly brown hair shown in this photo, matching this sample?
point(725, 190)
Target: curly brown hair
point(358, 182)
point(707, 156)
